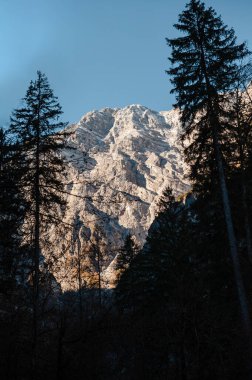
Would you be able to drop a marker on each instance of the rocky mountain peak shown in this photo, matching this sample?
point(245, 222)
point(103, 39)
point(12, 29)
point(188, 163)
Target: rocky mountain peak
point(122, 160)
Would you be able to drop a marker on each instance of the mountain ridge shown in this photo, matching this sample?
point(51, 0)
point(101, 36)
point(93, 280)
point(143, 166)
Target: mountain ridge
point(119, 162)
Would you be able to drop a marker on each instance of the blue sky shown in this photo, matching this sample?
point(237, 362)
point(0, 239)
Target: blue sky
point(96, 53)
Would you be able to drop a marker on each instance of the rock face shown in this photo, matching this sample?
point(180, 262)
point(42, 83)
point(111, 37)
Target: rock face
point(121, 161)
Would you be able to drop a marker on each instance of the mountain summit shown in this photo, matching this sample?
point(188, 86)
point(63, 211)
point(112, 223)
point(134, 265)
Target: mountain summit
point(119, 162)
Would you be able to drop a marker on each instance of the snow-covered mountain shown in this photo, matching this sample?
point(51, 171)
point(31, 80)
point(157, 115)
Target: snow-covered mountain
point(120, 162)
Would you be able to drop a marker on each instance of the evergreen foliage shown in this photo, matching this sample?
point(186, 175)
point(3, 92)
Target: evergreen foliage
point(37, 131)
point(176, 290)
point(35, 128)
point(174, 313)
point(205, 68)
point(126, 254)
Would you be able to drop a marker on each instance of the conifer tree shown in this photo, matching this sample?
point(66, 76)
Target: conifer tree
point(36, 129)
point(126, 254)
point(204, 69)
point(175, 290)
point(166, 201)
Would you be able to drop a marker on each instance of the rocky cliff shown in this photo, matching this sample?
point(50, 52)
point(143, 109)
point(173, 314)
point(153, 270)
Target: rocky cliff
point(119, 162)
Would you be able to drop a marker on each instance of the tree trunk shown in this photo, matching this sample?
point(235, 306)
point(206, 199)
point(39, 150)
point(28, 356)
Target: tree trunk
point(79, 282)
point(36, 247)
point(234, 253)
point(213, 108)
point(246, 220)
point(60, 348)
point(36, 269)
point(183, 374)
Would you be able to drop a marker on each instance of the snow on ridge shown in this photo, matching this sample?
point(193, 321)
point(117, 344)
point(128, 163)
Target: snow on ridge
point(132, 154)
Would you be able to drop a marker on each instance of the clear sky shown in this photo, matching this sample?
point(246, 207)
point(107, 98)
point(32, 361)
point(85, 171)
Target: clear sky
point(96, 53)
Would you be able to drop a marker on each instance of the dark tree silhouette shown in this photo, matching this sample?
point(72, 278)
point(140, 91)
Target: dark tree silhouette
point(37, 132)
point(126, 254)
point(204, 69)
point(172, 295)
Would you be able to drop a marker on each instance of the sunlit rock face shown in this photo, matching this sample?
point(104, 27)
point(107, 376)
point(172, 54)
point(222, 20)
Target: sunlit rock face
point(121, 161)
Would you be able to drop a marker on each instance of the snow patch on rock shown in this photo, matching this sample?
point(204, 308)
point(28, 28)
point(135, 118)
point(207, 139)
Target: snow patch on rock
point(121, 161)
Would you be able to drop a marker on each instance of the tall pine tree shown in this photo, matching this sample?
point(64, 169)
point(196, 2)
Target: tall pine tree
point(204, 69)
point(36, 129)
